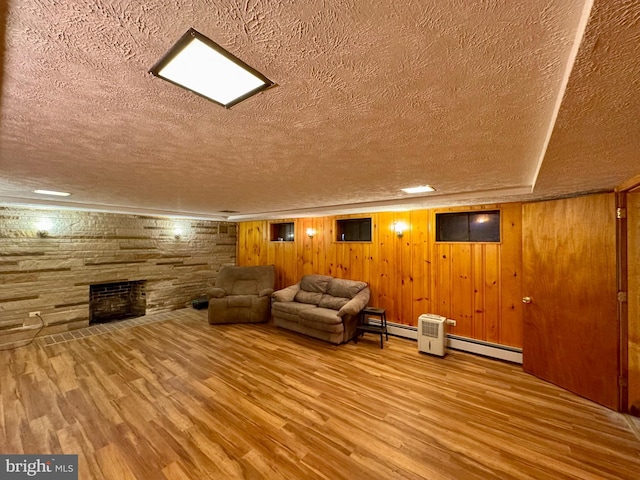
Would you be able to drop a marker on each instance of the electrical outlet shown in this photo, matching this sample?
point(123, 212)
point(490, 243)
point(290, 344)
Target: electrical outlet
point(451, 322)
point(32, 321)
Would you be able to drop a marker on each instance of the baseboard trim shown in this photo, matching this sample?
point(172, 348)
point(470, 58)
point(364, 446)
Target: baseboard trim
point(399, 330)
point(456, 342)
point(487, 349)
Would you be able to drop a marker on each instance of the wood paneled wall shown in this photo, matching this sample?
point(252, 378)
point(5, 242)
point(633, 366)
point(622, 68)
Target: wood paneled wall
point(478, 285)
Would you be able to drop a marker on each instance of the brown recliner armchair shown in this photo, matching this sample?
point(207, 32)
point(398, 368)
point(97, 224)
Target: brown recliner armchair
point(242, 295)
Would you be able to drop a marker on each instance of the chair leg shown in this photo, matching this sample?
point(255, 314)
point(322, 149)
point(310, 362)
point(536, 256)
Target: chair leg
point(383, 321)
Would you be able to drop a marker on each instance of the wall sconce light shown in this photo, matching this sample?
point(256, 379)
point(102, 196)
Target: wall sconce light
point(43, 226)
point(311, 232)
point(399, 228)
point(177, 233)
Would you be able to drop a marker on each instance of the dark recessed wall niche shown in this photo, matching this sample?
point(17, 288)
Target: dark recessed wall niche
point(480, 226)
point(353, 230)
point(282, 232)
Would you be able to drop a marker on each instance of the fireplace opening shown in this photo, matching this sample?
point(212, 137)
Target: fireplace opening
point(117, 301)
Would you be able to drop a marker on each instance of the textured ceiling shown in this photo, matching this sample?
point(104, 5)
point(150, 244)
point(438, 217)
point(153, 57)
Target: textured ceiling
point(480, 99)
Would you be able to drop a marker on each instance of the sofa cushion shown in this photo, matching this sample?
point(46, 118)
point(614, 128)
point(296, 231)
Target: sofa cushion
point(315, 283)
point(291, 307)
point(329, 333)
point(239, 300)
point(308, 297)
point(280, 317)
point(245, 287)
point(340, 287)
point(334, 303)
point(320, 326)
point(321, 315)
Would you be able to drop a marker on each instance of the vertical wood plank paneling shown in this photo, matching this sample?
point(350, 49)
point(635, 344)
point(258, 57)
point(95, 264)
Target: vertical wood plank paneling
point(243, 244)
point(492, 296)
point(511, 276)
point(387, 294)
point(324, 235)
point(366, 261)
point(443, 282)
point(404, 272)
point(251, 245)
point(420, 264)
point(461, 288)
point(356, 261)
point(273, 258)
point(305, 247)
point(318, 245)
point(340, 249)
point(300, 244)
point(290, 264)
point(478, 257)
point(375, 278)
point(282, 255)
point(397, 275)
point(477, 285)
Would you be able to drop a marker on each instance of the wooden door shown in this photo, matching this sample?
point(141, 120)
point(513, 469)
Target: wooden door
point(633, 312)
point(571, 329)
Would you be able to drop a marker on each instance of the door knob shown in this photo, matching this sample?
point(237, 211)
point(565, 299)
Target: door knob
point(526, 299)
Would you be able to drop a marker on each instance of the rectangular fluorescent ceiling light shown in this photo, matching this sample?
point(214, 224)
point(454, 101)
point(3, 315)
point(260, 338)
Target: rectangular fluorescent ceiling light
point(205, 68)
point(420, 189)
point(52, 192)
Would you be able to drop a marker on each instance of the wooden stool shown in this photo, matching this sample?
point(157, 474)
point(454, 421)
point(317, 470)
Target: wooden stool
point(364, 325)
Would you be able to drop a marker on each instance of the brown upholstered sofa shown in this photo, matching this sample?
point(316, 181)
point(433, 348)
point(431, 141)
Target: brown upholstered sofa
point(241, 294)
point(321, 306)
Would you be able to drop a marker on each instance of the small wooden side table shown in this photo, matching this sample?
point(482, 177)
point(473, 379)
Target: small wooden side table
point(364, 325)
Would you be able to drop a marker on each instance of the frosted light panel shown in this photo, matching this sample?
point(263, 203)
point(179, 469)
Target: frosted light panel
point(420, 189)
point(52, 192)
point(209, 73)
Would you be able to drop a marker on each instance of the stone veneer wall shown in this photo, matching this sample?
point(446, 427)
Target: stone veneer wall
point(52, 274)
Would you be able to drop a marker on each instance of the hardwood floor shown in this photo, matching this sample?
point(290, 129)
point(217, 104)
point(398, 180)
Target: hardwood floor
point(180, 399)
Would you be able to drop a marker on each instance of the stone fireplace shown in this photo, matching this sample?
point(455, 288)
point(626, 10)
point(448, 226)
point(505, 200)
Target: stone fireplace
point(117, 301)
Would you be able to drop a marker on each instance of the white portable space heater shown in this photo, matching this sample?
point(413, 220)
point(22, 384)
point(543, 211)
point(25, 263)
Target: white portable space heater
point(432, 336)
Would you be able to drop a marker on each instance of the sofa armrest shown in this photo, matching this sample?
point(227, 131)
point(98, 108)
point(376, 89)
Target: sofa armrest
point(286, 294)
point(216, 292)
point(357, 303)
point(267, 292)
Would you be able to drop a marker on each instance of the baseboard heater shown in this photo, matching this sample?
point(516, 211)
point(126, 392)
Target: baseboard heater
point(456, 342)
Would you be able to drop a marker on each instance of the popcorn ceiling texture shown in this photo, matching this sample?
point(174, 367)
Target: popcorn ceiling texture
point(371, 97)
point(597, 134)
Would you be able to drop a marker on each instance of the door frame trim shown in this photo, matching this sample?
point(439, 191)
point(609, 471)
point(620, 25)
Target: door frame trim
point(631, 185)
point(623, 306)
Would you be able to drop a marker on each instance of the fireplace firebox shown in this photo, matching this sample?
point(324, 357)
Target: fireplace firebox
point(117, 301)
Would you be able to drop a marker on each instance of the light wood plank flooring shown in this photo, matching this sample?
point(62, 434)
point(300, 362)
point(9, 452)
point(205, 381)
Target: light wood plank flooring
point(180, 399)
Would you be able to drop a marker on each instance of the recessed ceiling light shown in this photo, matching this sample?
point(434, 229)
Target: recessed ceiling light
point(420, 189)
point(202, 66)
point(52, 192)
